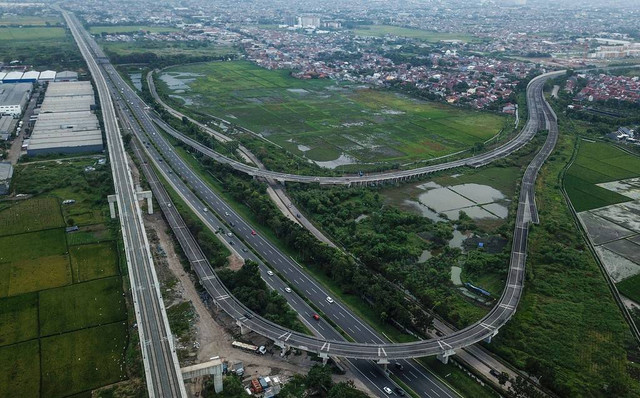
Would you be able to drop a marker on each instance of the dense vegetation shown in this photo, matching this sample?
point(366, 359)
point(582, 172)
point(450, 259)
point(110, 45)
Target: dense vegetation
point(247, 285)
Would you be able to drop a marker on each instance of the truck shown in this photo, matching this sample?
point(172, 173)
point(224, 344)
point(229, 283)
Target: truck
point(249, 347)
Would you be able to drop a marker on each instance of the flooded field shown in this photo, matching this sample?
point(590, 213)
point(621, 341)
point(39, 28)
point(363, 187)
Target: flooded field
point(136, 79)
point(477, 201)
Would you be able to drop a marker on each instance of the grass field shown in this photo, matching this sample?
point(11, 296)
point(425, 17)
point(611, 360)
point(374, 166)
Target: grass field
point(93, 261)
point(83, 360)
point(322, 119)
point(167, 48)
point(596, 163)
point(20, 370)
point(78, 331)
point(130, 29)
point(81, 305)
point(28, 20)
point(44, 47)
point(18, 318)
point(630, 288)
point(33, 261)
point(383, 30)
point(28, 34)
point(31, 215)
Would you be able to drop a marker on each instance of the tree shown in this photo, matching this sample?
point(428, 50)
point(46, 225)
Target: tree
point(319, 379)
point(503, 378)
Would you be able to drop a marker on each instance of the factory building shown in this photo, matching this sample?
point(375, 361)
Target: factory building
point(65, 123)
point(47, 76)
point(67, 76)
point(12, 77)
point(13, 98)
point(30, 77)
point(6, 172)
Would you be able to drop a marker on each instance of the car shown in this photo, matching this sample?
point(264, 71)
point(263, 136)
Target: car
point(400, 391)
point(244, 249)
point(399, 366)
point(287, 289)
point(231, 224)
point(494, 373)
point(231, 243)
point(226, 213)
point(387, 390)
point(229, 234)
point(270, 273)
point(205, 209)
point(329, 300)
point(253, 232)
point(248, 315)
point(316, 317)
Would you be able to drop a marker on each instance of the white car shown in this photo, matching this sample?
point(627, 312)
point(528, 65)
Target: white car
point(329, 300)
point(387, 390)
point(205, 209)
point(226, 213)
point(287, 289)
point(270, 273)
point(229, 234)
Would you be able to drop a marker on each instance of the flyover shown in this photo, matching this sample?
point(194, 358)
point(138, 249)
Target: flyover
point(162, 370)
point(540, 114)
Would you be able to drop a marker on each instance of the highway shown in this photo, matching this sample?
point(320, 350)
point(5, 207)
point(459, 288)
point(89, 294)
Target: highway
point(162, 370)
point(373, 349)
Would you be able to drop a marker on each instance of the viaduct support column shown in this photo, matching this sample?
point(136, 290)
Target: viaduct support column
point(112, 199)
point(488, 339)
point(148, 196)
point(325, 358)
point(444, 357)
point(243, 330)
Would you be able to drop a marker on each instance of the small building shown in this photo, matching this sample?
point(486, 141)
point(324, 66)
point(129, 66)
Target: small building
point(31, 76)
point(67, 76)
point(6, 127)
point(47, 76)
point(13, 98)
point(12, 77)
point(6, 172)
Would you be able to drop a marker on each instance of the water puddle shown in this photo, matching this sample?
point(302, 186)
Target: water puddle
point(179, 80)
point(343, 160)
point(136, 79)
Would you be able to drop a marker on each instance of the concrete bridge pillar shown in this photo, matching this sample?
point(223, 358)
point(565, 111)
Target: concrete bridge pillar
point(212, 368)
point(112, 199)
point(444, 357)
point(148, 196)
point(488, 338)
point(243, 329)
point(325, 358)
point(384, 363)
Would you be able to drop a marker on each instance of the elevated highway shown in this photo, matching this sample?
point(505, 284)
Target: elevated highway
point(540, 117)
point(162, 370)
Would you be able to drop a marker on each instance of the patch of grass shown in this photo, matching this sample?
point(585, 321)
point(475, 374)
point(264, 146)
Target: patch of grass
point(94, 261)
point(598, 162)
point(162, 49)
point(95, 233)
point(83, 360)
point(181, 317)
point(81, 305)
point(115, 29)
point(18, 318)
point(33, 261)
point(28, 20)
point(322, 119)
point(430, 36)
point(20, 370)
point(630, 288)
point(27, 34)
point(31, 215)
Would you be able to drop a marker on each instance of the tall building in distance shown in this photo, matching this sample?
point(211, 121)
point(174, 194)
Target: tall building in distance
point(309, 21)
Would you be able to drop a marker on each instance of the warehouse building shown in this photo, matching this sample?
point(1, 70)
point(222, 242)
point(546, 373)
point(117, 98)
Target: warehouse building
point(65, 123)
point(12, 77)
point(6, 172)
point(67, 76)
point(13, 98)
point(30, 77)
point(47, 76)
point(6, 126)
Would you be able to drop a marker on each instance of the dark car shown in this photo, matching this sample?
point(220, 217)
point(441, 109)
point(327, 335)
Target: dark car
point(399, 366)
point(400, 391)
